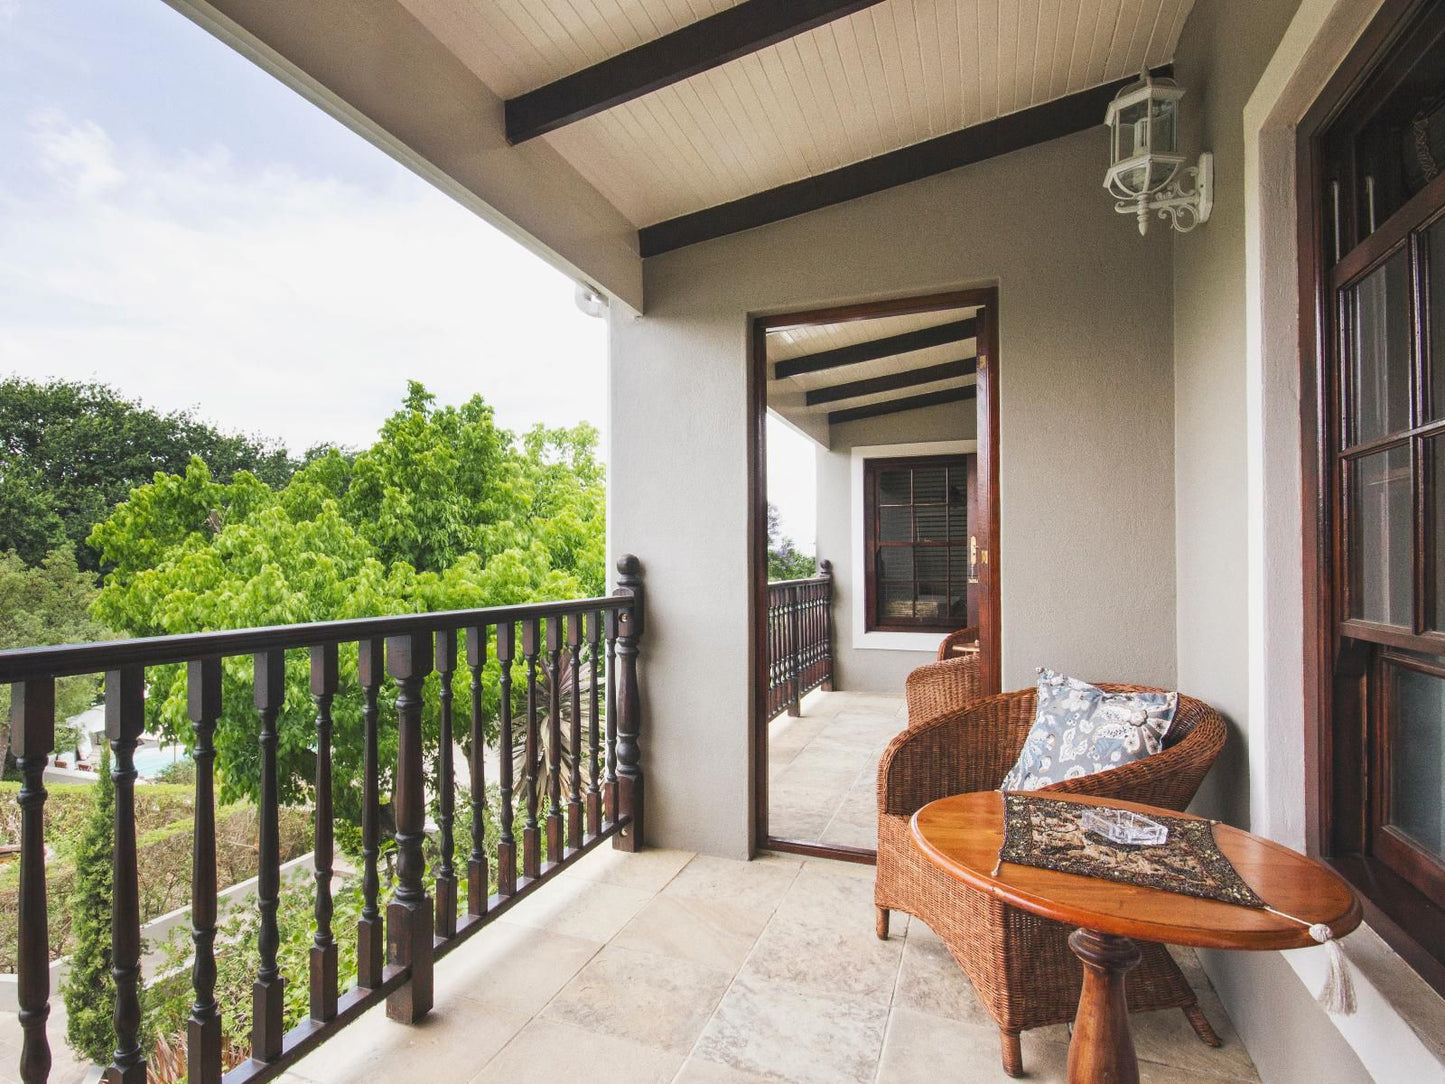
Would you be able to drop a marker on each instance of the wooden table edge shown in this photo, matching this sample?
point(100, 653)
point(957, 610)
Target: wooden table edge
point(1291, 937)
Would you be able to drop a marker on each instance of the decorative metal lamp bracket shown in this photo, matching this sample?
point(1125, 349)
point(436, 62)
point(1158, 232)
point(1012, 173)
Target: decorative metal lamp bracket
point(1186, 201)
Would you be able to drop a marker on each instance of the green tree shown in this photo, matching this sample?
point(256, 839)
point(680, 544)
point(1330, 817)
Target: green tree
point(444, 511)
point(70, 452)
point(89, 989)
point(785, 560)
point(48, 603)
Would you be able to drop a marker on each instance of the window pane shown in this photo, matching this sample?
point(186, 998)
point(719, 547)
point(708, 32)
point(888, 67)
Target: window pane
point(1378, 366)
point(958, 524)
point(958, 601)
point(896, 562)
point(957, 485)
point(895, 600)
point(895, 487)
point(1380, 543)
point(932, 522)
point(1417, 758)
point(932, 562)
point(895, 525)
point(929, 485)
point(932, 601)
point(1435, 242)
point(961, 571)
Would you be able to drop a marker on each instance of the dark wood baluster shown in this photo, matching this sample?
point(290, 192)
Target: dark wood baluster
point(594, 793)
point(124, 723)
point(323, 949)
point(446, 884)
point(477, 859)
point(268, 1001)
point(203, 1030)
point(506, 842)
point(825, 569)
point(609, 785)
point(574, 798)
point(370, 936)
point(629, 705)
point(554, 739)
point(409, 919)
point(32, 740)
point(795, 649)
point(531, 837)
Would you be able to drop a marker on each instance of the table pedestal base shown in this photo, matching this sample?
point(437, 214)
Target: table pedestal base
point(1102, 1050)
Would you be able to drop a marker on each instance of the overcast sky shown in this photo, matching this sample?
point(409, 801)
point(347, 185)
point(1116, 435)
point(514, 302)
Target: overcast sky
point(176, 223)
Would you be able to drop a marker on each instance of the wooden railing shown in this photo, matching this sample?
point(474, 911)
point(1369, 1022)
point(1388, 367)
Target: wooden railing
point(395, 956)
point(800, 639)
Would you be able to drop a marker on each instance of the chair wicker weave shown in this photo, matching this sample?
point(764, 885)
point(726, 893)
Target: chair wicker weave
point(941, 688)
point(1020, 964)
point(959, 638)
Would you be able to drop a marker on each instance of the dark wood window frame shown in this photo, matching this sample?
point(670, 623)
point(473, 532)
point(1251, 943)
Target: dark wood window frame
point(874, 544)
point(1348, 660)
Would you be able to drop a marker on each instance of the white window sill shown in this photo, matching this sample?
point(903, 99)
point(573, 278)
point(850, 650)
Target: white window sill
point(1398, 1030)
point(899, 641)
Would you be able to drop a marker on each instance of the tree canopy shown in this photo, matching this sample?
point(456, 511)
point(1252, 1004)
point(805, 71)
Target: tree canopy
point(70, 452)
point(785, 560)
point(444, 511)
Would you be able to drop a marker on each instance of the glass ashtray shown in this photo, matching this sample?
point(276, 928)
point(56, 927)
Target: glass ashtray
point(1124, 827)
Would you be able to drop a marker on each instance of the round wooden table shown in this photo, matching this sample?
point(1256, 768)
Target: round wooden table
point(962, 835)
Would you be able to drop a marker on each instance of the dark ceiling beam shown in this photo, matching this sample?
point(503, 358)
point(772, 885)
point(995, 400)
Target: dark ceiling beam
point(909, 378)
point(1037, 124)
point(873, 349)
point(897, 406)
point(725, 36)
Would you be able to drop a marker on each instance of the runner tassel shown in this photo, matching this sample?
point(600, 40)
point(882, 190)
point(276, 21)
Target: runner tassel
point(1337, 996)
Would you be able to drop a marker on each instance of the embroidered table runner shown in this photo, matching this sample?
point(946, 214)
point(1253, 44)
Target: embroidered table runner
point(1047, 833)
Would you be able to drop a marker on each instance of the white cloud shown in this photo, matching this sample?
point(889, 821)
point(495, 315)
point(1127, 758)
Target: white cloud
point(9, 9)
point(80, 156)
point(291, 305)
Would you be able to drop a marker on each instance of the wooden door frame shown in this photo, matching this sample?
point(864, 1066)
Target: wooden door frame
point(986, 298)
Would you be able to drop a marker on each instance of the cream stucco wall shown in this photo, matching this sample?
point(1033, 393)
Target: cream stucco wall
point(857, 668)
point(1087, 437)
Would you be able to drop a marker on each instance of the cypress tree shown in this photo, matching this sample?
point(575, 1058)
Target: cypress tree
point(89, 989)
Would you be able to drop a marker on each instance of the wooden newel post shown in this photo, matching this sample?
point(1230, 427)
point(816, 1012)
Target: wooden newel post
point(32, 740)
point(629, 705)
point(124, 723)
point(409, 917)
point(825, 570)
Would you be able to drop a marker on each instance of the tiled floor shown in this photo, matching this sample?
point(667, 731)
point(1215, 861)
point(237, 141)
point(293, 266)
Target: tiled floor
point(663, 966)
point(823, 767)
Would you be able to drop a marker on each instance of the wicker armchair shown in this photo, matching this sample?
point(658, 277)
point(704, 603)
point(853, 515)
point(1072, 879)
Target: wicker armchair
point(956, 640)
point(1021, 965)
point(942, 688)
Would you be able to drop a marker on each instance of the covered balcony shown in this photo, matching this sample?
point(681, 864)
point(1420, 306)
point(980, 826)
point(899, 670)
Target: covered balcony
point(1152, 399)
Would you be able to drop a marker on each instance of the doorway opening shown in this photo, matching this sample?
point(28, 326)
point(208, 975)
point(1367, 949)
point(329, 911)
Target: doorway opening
point(874, 543)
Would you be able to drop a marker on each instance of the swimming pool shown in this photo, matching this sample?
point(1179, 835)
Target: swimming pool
point(150, 759)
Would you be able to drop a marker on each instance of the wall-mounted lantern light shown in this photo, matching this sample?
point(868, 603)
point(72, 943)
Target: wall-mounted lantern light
point(1145, 176)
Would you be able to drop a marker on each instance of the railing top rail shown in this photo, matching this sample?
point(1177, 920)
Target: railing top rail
point(65, 660)
point(799, 582)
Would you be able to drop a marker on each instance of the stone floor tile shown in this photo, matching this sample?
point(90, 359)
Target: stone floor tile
point(755, 885)
point(832, 895)
point(550, 1050)
point(445, 1047)
point(1165, 1037)
point(649, 869)
point(591, 910)
point(512, 969)
point(826, 959)
point(921, 1047)
point(709, 932)
point(795, 1035)
point(698, 1070)
point(931, 981)
point(658, 1001)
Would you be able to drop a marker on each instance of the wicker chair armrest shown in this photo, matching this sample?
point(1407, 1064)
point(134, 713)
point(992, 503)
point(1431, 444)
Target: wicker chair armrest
point(1168, 779)
point(967, 635)
point(942, 688)
point(969, 749)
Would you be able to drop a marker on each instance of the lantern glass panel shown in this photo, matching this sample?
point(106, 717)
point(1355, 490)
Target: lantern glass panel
point(1131, 131)
point(1163, 131)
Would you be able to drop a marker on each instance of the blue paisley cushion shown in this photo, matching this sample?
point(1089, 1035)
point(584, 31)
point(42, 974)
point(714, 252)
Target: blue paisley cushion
point(1080, 729)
